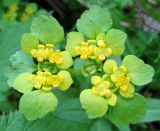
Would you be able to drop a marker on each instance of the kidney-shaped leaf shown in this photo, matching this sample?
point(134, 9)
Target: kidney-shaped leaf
point(47, 29)
point(140, 72)
point(128, 110)
point(36, 104)
point(94, 21)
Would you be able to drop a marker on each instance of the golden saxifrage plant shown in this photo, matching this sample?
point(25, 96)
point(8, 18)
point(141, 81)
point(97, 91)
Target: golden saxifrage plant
point(113, 91)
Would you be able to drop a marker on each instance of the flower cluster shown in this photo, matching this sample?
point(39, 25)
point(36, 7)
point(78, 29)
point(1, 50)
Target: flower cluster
point(93, 49)
point(94, 41)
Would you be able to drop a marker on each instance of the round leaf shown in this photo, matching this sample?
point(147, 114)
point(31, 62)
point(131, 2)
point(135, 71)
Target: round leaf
point(47, 29)
point(109, 65)
point(94, 105)
point(129, 93)
point(29, 42)
point(94, 21)
point(115, 40)
point(139, 72)
point(22, 84)
point(73, 40)
point(112, 100)
point(128, 110)
point(67, 81)
point(67, 60)
point(36, 104)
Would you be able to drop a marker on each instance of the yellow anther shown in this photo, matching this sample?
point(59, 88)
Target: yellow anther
point(94, 91)
point(41, 47)
point(123, 68)
point(123, 82)
point(45, 80)
point(56, 57)
point(84, 50)
point(57, 79)
point(101, 87)
point(101, 52)
point(106, 93)
point(46, 53)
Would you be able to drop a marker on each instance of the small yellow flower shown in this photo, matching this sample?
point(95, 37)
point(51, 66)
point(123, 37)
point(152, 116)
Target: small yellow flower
point(47, 53)
point(101, 52)
point(120, 78)
point(45, 80)
point(101, 87)
point(56, 57)
point(84, 50)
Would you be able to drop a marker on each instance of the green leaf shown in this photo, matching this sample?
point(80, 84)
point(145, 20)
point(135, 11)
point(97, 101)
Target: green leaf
point(101, 125)
point(21, 62)
point(67, 80)
point(109, 65)
point(153, 110)
point(115, 40)
point(139, 72)
point(73, 40)
point(9, 44)
point(129, 93)
point(94, 21)
point(16, 122)
point(67, 60)
point(128, 110)
point(88, 101)
point(47, 29)
point(36, 104)
point(22, 84)
point(29, 42)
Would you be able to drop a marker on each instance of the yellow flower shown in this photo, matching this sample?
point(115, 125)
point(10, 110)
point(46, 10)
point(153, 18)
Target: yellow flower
point(101, 52)
point(56, 57)
point(45, 80)
point(120, 78)
point(84, 50)
point(101, 87)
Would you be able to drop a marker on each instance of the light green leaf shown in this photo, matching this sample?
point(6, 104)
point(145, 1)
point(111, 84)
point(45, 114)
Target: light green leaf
point(109, 65)
point(115, 40)
point(88, 101)
point(73, 40)
point(153, 110)
point(129, 93)
point(9, 44)
point(67, 80)
point(94, 21)
point(139, 72)
point(36, 104)
point(47, 29)
point(67, 60)
point(112, 100)
point(21, 62)
point(22, 84)
point(29, 42)
point(101, 125)
point(128, 110)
